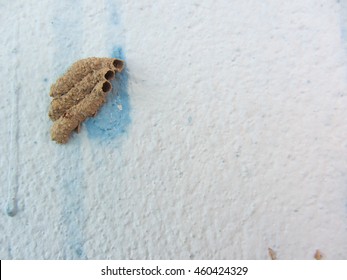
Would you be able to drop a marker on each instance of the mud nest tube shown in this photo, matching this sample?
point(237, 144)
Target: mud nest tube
point(80, 93)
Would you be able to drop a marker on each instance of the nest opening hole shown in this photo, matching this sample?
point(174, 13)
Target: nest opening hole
point(118, 64)
point(109, 75)
point(106, 87)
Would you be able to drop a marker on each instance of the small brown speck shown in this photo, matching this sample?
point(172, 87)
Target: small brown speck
point(318, 255)
point(272, 254)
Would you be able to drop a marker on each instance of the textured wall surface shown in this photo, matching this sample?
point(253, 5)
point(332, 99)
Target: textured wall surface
point(232, 136)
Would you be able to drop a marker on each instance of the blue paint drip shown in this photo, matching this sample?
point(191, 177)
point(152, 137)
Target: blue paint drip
point(67, 40)
point(343, 23)
point(73, 213)
point(111, 121)
point(67, 47)
point(113, 13)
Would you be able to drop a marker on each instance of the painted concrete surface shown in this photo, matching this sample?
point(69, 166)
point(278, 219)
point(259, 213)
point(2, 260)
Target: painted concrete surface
point(232, 136)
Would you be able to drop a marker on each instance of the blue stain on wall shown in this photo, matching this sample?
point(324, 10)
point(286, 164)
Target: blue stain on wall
point(73, 213)
point(114, 117)
point(343, 23)
point(113, 13)
point(67, 38)
point(67, 34)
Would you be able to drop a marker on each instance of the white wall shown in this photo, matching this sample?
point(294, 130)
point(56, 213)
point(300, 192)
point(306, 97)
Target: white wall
point(232, 137)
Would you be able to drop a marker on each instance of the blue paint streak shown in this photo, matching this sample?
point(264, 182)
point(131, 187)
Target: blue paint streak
point(73, 213)
point(113, 13)
point(67, 33)
point(111, 122)
point(67, 37)
point(343, 23)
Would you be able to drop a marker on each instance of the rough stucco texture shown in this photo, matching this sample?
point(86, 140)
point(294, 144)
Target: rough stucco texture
point(225, 135)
